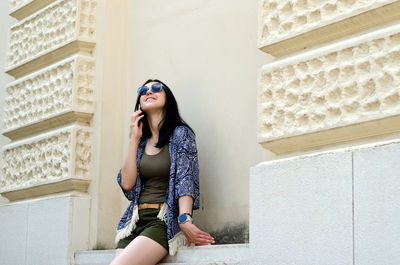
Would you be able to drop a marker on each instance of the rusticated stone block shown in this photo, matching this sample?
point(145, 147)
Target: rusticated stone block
point(338, 93)
point(55, 32)
point(56, 90)
point(59, 155)
point(291, 25)
point(23, 8)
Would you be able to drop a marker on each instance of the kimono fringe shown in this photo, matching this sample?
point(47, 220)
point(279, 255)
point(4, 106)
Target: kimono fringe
point(162, 214)
point(179, 240)
point(131, 225)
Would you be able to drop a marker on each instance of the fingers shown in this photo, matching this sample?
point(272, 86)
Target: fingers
point(201, 238)
point(135, 115)
point(195, 235)
point(198, 241)
point(204, 233)
point(208, 237)
point(136, 126)
point(138, 119)
point(205, 240)
point(135, 120)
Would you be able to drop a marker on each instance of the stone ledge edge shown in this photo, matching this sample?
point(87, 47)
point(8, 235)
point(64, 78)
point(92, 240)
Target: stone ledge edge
point(47, 188)
point(27, 9)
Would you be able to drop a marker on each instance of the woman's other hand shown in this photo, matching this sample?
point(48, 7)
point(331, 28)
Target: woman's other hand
point(136, 125)
point(195, 235)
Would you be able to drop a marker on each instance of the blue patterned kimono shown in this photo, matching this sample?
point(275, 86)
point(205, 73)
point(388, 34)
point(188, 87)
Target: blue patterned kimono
point(183, 180)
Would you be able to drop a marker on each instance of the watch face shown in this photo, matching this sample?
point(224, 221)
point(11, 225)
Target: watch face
point(182, 218)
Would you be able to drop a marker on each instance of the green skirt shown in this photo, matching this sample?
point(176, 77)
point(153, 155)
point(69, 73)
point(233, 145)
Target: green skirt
point(149, 226)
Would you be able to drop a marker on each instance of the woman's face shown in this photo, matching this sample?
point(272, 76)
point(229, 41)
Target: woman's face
point(152, 100)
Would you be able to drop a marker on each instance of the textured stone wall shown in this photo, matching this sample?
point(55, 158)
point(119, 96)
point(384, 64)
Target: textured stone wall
point(283, 19)
point(331, 88)
point(57, 155)
point(338, 83)
point(20, 9)
point(335, 93)
point(55, 26)
point(66, 86)
point(49, 106)
point(317, 21)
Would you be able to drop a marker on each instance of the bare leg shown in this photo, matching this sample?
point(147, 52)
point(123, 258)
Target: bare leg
point(141, 251)
point(117, 252)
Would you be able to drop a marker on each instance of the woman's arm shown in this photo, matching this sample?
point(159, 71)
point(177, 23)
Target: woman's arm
point(192, 233)
point(129, 169)
point(187, 187)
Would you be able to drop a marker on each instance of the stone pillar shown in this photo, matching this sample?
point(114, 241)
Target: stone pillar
point(48, 167)
point(111, 122)
point(338, 82)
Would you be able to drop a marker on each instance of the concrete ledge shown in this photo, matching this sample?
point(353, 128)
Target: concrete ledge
point(215, 254)
point(94, 257)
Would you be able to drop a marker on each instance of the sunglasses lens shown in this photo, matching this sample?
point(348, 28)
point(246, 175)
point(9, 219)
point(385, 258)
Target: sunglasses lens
point(156, 87)
point(142, 90)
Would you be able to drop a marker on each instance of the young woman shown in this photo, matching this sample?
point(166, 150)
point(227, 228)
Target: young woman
point(160, 176)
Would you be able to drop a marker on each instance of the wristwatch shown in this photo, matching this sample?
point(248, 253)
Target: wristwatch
point(183, 218)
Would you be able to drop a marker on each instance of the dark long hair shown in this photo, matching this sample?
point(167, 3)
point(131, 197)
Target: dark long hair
point(170, 120)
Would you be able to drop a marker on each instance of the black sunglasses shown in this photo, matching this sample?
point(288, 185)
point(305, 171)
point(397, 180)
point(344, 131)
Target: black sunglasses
point(154, 88)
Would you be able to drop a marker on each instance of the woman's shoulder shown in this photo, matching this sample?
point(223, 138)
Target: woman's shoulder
point(181, 132)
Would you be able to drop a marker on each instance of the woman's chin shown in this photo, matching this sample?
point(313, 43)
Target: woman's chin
point(151, 107)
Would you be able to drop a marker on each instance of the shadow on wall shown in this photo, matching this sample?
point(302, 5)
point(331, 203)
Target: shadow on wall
point(232, 234)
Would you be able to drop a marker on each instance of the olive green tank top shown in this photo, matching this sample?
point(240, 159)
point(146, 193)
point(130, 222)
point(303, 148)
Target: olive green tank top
point(154, 173)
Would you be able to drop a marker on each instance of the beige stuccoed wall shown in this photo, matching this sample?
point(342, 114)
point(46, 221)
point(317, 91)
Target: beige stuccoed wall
point(110, 55)
point(205, 51)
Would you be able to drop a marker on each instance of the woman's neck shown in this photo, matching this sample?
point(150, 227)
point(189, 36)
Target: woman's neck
point(154, 119)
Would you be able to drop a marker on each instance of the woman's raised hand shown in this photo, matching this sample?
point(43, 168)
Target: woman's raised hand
point(136, 125)
point(195, 235)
